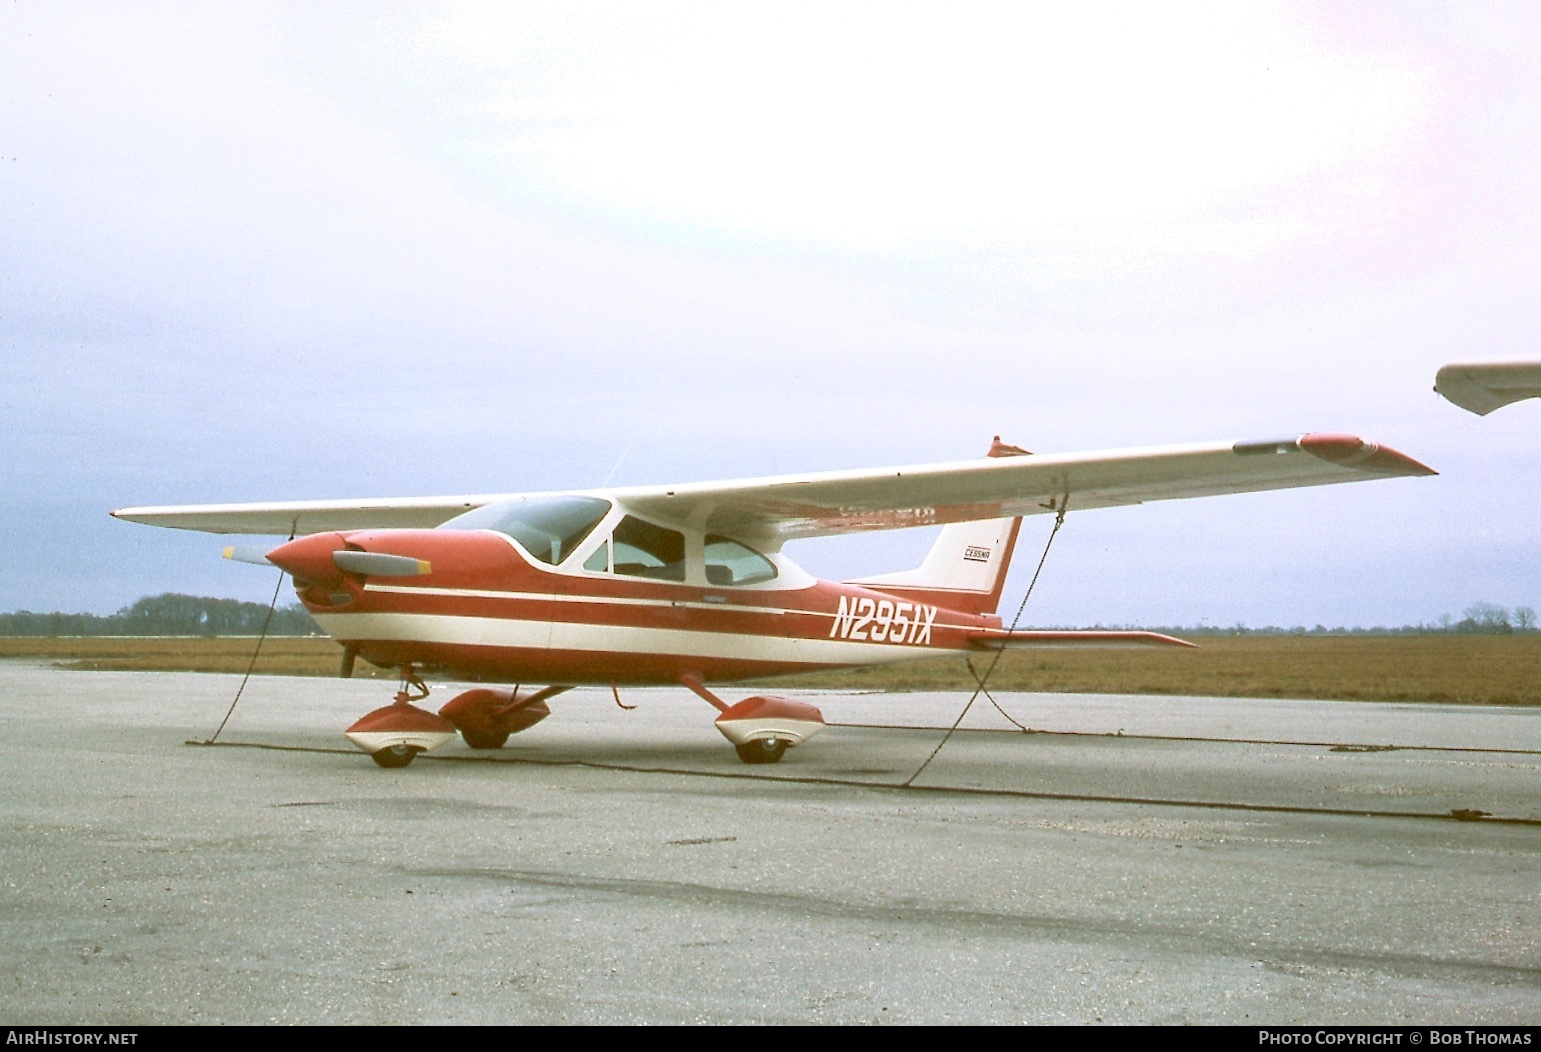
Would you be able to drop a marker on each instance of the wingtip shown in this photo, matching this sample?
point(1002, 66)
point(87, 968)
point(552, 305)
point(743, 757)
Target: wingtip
point(133, 514)
point(1351, 451)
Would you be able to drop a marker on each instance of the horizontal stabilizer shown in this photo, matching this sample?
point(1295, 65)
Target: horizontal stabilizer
point(1038, 640)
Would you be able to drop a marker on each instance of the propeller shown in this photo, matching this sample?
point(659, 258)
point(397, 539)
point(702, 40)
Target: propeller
point(307, 561)
point(365, 564)
point(379, 564)
point(248, 553)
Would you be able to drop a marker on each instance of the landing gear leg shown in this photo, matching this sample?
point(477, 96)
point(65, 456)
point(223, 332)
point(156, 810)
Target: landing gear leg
point(412, 687)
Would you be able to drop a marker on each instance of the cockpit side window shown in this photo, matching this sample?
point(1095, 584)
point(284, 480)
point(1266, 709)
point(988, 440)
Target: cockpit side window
point(599, 559)
point(640, 549)
point(731, 563)
point(549, 528)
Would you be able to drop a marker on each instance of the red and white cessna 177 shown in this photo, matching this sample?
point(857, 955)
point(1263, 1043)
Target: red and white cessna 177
point(687, 584)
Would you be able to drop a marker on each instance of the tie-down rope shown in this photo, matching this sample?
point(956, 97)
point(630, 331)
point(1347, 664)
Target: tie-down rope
point(980, 681)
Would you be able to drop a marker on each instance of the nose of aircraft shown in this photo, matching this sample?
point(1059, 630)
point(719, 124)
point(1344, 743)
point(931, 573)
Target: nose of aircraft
point(323, 559)
point(310, 559)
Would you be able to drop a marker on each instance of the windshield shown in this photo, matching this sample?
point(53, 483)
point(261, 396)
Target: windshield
point(549, 528)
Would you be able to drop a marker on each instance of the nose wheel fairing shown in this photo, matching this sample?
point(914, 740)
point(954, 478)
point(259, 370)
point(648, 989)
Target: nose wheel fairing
point(394, 734)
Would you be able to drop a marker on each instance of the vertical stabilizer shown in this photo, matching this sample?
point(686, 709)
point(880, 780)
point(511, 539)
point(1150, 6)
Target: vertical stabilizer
point(966, 567)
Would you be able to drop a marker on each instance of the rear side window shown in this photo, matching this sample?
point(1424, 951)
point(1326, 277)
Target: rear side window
point(731, 563)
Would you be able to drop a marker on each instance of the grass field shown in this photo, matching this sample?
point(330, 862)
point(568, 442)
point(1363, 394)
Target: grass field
point(280, 656)
point(1463, 669)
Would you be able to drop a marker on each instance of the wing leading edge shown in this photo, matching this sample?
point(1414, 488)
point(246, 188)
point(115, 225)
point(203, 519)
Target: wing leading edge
point(828, 503)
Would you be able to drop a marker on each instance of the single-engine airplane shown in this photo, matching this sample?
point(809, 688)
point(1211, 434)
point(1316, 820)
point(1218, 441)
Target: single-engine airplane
point(688, 585)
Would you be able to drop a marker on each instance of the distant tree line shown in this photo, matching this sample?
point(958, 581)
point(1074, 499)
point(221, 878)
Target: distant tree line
point(167, 615)
point(1484, 619)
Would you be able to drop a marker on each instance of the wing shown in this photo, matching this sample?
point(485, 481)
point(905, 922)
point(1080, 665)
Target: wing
point(1481, 387)
point(991, 488)
point(774, 510)
point(310, 516)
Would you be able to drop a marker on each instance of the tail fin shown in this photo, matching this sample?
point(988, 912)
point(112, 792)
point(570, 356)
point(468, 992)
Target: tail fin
point(966, 567)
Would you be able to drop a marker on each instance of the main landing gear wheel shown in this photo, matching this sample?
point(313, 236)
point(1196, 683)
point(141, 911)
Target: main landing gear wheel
point(490, 740)
point(395, 755)
point(762, 750)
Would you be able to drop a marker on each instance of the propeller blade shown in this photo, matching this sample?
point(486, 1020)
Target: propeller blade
point(378, 564)
point(349, 656)
point(249, 553)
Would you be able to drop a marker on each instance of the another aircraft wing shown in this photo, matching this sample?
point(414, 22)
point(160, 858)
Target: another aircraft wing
point(773, 510)
point(1481, 387)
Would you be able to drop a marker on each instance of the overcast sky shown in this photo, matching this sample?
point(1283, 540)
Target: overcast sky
point(261, 252)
